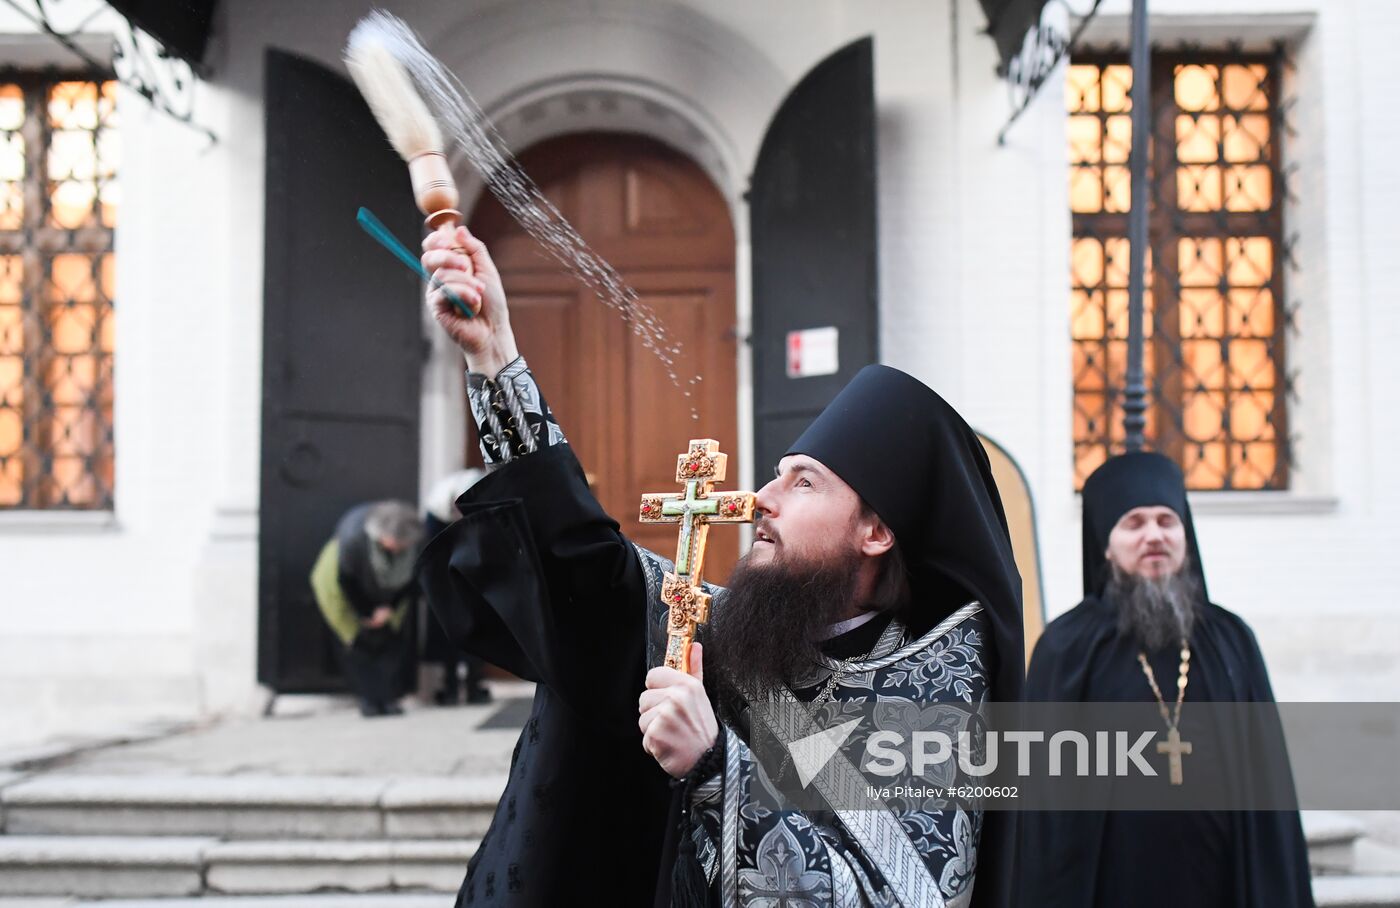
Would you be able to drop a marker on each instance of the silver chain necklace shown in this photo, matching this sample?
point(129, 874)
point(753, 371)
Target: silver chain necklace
point(829, 688)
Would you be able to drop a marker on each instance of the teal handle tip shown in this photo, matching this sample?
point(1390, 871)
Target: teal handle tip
point(376, 229)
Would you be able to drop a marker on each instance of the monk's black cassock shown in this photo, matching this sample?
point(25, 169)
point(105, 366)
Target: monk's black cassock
point(1109, 859)
point(537, 579)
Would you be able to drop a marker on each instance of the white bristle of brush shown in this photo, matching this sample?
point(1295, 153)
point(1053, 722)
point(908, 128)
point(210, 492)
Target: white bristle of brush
point(392, 97)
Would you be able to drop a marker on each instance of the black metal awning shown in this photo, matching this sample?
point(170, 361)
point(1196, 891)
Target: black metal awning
point(181, 26)
point(1007, 24)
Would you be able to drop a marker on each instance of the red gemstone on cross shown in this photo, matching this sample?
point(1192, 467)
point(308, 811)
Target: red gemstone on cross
point(694, 468)
point(732, 507)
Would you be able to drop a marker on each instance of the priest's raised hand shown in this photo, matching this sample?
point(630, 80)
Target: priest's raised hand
point(461, 263)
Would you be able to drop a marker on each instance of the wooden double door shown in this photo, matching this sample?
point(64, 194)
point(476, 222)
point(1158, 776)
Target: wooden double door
point(655, 216)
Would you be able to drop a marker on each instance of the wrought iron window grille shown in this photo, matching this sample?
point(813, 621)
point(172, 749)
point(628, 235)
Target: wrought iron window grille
point(1217, 315)
point(59, 155)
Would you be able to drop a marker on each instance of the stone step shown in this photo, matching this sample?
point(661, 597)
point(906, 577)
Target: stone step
point(353, 866)
point(250, 807)
point(1376, 858)
point(102, 865)
point(1357, 891)
point(1332, 839)
point(156, 866)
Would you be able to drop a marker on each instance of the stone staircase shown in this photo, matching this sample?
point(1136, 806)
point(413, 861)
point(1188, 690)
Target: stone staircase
point(137, 837)
point(1349, 871)
point(342, 842)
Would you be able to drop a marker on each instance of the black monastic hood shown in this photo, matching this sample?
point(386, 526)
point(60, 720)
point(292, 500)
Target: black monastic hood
point(914, 460)
point(1137, 480)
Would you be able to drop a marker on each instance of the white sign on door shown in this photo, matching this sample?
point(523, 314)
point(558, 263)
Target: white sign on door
point(812, 352)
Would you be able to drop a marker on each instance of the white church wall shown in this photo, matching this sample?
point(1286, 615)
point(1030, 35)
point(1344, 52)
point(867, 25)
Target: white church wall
point(98, 620)
point(1009, 285)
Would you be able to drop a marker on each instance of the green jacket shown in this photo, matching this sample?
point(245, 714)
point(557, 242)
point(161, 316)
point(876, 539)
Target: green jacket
point(325, 584)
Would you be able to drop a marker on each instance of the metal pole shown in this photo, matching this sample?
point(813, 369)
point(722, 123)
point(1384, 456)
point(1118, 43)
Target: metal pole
point(1135, 385)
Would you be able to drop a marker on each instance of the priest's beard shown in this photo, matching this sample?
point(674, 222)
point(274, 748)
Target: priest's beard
point(1157, 612)
point(769, 627)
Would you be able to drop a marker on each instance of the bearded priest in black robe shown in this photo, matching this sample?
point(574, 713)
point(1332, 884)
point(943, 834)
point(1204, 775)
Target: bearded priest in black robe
point(1145, 593)
point(882, 568)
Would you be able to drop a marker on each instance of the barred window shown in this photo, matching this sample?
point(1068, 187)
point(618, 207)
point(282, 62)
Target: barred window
point(59, 154)
point(1215, 317)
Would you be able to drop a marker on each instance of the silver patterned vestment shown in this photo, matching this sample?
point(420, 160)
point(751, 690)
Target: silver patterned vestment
point(763, 853)
point(756, 850)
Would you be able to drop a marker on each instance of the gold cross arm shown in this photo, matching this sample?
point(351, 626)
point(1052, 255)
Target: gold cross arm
point(697, 470)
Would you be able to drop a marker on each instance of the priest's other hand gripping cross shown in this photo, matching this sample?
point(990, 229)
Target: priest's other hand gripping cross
point(699, 506)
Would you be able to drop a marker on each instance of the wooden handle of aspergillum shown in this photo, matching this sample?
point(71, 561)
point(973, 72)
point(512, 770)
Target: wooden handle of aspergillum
point(435, 191)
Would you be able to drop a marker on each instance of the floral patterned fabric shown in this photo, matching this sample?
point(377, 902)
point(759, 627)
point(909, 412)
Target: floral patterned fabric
point(771, 854)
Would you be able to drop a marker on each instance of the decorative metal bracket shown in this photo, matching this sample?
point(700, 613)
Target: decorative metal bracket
point(1046, 43)
point(139, 62)
point(164, 80)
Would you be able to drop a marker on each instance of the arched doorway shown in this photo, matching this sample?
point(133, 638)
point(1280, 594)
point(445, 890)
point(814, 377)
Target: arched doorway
point(655, 216)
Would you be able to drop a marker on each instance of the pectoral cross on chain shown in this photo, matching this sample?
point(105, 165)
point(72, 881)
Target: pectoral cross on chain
point(699, 506)
point(1175, 748)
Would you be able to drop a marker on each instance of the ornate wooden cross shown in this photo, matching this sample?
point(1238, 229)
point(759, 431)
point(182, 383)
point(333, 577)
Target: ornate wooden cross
point(1175, 748)
point(697, 470)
